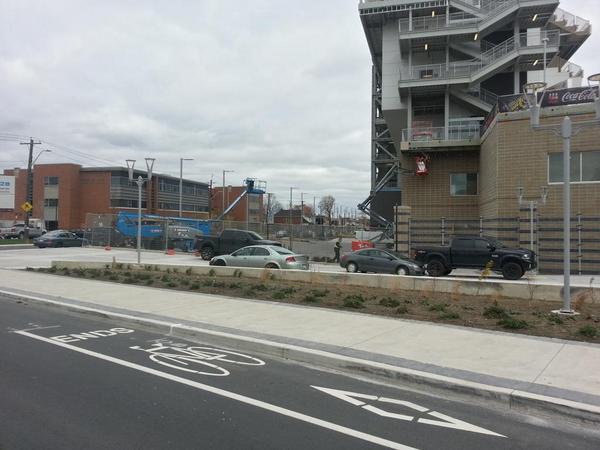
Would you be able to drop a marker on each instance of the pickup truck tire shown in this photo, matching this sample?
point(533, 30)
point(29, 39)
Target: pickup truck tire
point(436, 268)
point(207, 253)
point(352, 267)
point(512, 270)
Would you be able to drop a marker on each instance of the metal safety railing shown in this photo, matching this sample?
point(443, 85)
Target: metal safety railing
point(469, 68)
point(461, 132)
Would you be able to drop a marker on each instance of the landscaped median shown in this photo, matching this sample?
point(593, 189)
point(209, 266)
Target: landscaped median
point(387, 295)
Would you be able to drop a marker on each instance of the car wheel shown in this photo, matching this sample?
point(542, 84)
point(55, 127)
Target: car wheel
point(512, 271)
point(402, 271)
point(271, 266)
point(447, 272)
point(436, 268)
point(219, 262)
point(207, 253)
point(352, 267)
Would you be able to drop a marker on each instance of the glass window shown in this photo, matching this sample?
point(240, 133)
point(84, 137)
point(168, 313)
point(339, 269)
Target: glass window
point(258, 251)
point(283, 251)
point(243, 251)
point(463, 184)
point(51, 202)
point(480, 244)
point(462, 243)
point(555, 167)
point(590, 164)
point(50, 181)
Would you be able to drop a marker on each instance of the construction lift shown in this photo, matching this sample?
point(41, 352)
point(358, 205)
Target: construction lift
point(253, 186)
point(365, 206)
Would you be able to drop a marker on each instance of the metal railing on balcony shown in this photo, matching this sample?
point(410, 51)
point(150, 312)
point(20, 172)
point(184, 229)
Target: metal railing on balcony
point(484, 95)
point(566, 20)
point(441, 22)
point(459, 132)
point(466, 69)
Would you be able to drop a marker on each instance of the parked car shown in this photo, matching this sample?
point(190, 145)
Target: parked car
point(267, 256)
point(59, 238)
point(475, 252)
point(17, 231)
point(227, 242)
point(379, 261)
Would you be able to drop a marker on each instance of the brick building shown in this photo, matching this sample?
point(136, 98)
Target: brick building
point(63, 194)
point(250, 207)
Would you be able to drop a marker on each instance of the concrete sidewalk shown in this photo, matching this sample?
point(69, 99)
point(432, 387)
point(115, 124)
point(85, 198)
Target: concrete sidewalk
point(562, 376)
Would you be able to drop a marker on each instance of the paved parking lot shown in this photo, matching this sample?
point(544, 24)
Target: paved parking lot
point(35, 257)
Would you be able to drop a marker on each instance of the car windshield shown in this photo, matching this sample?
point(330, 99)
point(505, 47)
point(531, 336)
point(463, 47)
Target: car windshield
point(54, 233)
point(256, 236)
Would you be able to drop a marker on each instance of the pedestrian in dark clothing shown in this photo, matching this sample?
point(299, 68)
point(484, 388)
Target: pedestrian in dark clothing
point(336, 250)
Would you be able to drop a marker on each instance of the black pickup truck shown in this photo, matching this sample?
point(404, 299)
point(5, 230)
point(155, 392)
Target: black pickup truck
point(475, 252)
point(227, 242)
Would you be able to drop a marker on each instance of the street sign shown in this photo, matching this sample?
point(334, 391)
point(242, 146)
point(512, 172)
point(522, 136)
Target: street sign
point(441, 420)
point(26, 207)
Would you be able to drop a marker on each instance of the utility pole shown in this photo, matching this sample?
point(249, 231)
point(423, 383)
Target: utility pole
point(29, 193)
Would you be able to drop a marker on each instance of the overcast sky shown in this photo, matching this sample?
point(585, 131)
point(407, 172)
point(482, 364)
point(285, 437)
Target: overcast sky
point(277, 90)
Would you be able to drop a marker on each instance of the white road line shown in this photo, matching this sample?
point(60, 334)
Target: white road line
point(38, 328)
point(231, 395)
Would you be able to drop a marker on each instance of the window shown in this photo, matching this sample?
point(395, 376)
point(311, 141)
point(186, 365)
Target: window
point(585, 167)
point(258, 251)
point(481, 244)
point(125, 203)
point(462, 243)
point(51, 202)
point(463, 184)
point(50, 181)
point(243, 252)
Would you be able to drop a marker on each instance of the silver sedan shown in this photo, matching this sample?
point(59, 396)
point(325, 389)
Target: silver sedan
point(267, 256)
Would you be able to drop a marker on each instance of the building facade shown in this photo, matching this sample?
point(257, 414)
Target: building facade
point(439, 67)
point(250, 208)
point(63, 194)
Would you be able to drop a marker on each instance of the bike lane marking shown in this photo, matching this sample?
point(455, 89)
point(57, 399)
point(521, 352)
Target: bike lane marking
point(227, 394)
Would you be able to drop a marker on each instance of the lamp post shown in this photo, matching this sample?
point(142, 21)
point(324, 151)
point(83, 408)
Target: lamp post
point(223, 192)
point(290, 214)
point(565, 131)
point(181, 160)
point(545, 40)
point(140, 182)
point(302, 194)
point(533, 204)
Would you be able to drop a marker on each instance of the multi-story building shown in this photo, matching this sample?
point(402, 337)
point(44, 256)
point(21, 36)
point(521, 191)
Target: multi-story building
point(250, 208)
point(452, 144)
point(64, 194)
point(438, 69)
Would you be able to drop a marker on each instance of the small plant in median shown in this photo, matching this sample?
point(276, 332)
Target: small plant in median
point(402, 309)
point(555, 318)
point(441, 307)
point(495, 312)
point(355, 301)
point(588, 331)
point(389, 302)
point(510, 323)
point(449, 315)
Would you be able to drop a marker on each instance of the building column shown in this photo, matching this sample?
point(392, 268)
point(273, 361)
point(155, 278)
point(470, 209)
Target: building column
point(410, 20)
point(409, 114)
point(402, 229)
point(516, 80)
point(446, 113)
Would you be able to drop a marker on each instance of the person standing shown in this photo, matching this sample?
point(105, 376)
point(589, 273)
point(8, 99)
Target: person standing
point(336, 250)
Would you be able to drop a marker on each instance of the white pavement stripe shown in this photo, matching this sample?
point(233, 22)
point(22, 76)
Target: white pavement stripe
point(231, 395)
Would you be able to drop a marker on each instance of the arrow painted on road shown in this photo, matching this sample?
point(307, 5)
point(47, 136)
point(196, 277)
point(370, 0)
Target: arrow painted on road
point(441, 420)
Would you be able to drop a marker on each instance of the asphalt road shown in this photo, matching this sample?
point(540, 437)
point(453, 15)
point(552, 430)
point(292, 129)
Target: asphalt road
point(71, 382)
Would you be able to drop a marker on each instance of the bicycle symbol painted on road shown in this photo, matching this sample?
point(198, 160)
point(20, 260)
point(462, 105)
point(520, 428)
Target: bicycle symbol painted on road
point(198, 360)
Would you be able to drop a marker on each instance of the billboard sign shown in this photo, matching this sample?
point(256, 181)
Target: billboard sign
point(7, 192)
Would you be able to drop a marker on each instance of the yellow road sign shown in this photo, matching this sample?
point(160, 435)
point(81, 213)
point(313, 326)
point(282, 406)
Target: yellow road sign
point(26, 207)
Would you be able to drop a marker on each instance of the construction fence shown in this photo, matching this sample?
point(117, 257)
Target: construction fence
point(163, 233)
point(542, 234)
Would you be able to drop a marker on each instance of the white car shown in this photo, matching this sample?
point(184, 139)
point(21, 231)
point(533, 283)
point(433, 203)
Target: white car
point(267, 256)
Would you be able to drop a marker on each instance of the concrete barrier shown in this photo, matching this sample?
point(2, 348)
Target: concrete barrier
point(486, 288)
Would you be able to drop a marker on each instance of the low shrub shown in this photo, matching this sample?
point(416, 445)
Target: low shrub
point(440, 307)
point(212, 273)
point(129, 280)
point(555, 318)
point(185, 282)
point(165, 278)
point(113, 277)
point(171, 284)
point(195, 286)
point(237, 273)
point(234, 286)
point(510, 323)
point(449, 315)
point(149, 282)
point(52, 269)
point(495, 312)
point(188, 271)
point(402, 309)
point(389, 302)
point(310, 298)
point(355, 301)
point(588, 331)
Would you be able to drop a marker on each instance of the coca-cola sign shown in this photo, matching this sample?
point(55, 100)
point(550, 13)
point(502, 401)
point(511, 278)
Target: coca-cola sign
point(571, 96)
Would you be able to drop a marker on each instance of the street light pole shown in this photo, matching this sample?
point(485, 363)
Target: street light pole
point(545, 40)
point(302, 214)
point(290, 215)
point(140, 182)
point(565, 131)
point(223, 192)
point(181, 160)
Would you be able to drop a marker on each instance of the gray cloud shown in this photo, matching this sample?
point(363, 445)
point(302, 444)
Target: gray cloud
point(278, 91)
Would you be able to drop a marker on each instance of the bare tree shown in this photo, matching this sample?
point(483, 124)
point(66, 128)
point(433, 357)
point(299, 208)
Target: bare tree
point(326, 205)
point(272, 207)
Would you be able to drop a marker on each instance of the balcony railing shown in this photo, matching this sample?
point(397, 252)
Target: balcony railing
point(465, 69)
point(570, 20)
point(460, 132)
point(441, 22)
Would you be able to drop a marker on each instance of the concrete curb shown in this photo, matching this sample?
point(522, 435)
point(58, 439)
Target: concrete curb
point(545, 407)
